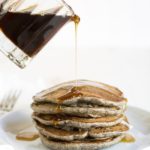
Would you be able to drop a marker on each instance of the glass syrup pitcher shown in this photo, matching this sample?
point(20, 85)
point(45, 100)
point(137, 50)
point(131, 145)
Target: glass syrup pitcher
point(27, 25)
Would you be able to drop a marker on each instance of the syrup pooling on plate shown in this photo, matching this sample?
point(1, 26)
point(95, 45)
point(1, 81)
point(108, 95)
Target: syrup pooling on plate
point(128, 139)
point(27, 136)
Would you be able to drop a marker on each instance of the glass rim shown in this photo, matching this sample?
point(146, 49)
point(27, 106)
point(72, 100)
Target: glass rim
point(14, 5)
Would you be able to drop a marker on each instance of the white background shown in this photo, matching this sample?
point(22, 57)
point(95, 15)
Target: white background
point(113, 47)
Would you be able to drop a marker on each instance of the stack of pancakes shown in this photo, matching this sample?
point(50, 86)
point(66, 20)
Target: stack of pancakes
point(85, 115)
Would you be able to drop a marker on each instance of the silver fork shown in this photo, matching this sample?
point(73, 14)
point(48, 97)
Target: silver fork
point(9, 101)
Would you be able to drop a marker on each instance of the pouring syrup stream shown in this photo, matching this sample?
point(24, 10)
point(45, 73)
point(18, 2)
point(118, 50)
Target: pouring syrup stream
point(76, 20)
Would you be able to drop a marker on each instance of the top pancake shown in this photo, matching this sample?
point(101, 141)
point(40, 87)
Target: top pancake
point(70, 93)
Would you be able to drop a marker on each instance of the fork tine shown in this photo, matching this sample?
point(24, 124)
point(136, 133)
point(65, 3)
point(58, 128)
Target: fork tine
point(9, 100)
point(6, 96)
point(15, 98)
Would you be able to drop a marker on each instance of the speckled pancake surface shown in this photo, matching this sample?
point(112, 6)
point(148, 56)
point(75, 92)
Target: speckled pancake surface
point(78, 121)
point(85, 91)
point(49, 108)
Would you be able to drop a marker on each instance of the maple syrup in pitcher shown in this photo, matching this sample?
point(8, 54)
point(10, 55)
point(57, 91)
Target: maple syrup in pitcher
point(25, 32)
point(31, 32)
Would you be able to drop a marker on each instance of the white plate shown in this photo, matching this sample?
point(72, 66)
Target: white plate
point(18, 121)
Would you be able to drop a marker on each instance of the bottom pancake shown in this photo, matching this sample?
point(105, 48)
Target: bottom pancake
point(88, 144)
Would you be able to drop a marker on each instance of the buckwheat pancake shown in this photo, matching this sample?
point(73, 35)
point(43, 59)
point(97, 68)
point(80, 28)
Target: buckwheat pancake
point(78, 122)
point(70, 134)
point(49, 108)
point(85, 92)
point(88, 144)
